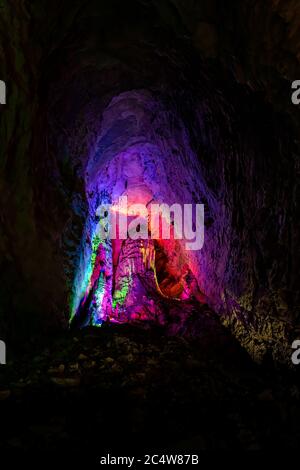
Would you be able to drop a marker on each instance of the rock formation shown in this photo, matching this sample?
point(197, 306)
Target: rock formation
point(195, 97)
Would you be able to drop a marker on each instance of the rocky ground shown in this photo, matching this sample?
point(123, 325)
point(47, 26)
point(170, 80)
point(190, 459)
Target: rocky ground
point(122, 387)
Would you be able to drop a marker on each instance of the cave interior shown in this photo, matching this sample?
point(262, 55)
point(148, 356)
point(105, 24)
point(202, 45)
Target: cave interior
point(160, 102)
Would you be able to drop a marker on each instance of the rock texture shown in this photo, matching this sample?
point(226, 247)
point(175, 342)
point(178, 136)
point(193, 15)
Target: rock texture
point(122, 388)
point(201, 92)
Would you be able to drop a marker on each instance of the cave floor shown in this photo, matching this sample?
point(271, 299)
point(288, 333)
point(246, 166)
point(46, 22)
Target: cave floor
point(122, 387)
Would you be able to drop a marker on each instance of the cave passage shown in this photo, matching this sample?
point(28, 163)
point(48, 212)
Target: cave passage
point(116, 339)
point(119, 279)
point(164, 102)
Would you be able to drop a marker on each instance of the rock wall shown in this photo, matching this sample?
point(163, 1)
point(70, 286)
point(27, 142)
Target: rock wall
point(204, 91)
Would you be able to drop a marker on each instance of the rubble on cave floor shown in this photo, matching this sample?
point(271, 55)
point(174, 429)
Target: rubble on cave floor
point(123, 385)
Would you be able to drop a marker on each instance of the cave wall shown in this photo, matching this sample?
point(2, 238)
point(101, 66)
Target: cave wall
point(212, 93)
